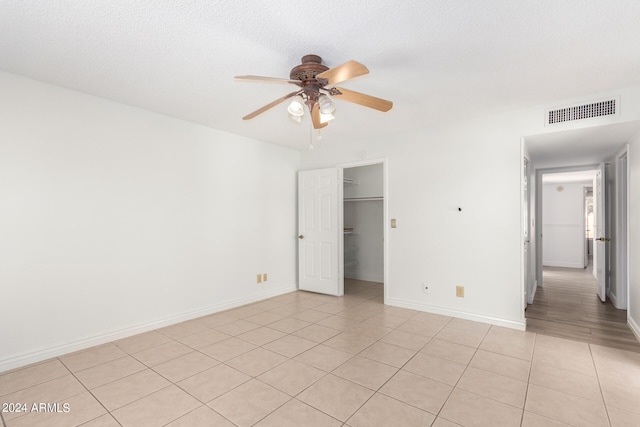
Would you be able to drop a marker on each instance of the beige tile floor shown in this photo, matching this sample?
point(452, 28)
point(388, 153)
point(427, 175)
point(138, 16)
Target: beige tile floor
point(305, 359)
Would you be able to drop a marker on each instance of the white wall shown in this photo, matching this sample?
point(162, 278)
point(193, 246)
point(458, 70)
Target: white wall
point(563, 225)
point(633, 303)
point(366, 217)
point(474, 164)
point(115, 220)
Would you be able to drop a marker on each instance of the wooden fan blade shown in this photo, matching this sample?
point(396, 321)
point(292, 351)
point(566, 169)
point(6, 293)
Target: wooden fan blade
point(271, 105)
point(268, 79)
point(364, 100)
point(346, 71)
point(315, 117)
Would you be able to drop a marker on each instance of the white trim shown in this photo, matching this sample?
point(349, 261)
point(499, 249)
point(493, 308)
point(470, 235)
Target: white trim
point(525, 256)
point(512, 324)
point(622, 227)
point(635, 328)
point(612, 297)
point(563, 264)
point(628, 295)
point(539, 219)
point(365, 277)
point(47, 353)
point(532, 295)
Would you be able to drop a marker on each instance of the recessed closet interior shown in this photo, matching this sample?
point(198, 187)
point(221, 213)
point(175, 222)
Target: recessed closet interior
point(363, 223)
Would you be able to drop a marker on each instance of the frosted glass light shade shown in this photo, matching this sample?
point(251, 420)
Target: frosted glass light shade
point(326, 105)
point(296, 108)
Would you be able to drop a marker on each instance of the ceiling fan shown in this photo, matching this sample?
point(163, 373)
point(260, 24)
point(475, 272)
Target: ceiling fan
point(316, 84)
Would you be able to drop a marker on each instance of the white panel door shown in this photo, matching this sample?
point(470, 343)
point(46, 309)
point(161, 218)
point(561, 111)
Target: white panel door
point(319, 231)
point(601, 239)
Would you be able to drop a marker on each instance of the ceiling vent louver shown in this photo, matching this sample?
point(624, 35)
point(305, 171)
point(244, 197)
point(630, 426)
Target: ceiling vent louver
point(607, 107)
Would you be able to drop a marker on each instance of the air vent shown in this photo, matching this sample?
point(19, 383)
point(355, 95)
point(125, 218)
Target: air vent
point(584, 111)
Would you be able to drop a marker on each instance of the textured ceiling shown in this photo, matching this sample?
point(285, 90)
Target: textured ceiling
point(437, 60)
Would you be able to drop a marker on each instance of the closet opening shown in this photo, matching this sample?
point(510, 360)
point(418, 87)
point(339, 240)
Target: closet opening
point(364, 219)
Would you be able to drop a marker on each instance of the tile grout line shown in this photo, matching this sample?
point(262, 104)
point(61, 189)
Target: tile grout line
point(389, 379)
point(604, 402)
point(400, 368)
point(359, 321)
point(89, 391)
point(326, 373)
point(205, 404)
point(262, 382)
point(453, 388)
point(526, 393)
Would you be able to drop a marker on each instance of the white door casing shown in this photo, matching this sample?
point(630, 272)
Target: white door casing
point(526, 262)
point(600, 241)
point(319, 195)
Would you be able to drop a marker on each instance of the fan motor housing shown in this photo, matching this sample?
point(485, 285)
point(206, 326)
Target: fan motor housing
point(311, 66)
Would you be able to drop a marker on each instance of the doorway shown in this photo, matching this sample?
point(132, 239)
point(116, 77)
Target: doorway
point(333, 246)
point(566, 299)
point(363, 215)
point(571, 302)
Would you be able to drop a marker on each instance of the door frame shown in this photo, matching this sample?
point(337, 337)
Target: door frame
point(385, 215)
point(585, 252)
point(526, 238)
point(622, 202)
point(601, 252)
point(539, 220)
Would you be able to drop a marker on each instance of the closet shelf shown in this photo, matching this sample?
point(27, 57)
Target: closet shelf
point(347, 181)
point(362, 199)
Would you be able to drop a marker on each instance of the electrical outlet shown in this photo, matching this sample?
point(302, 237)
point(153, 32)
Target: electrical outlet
point(264, 277)
point(460, 291)
point(425, 288)
point(259, 278)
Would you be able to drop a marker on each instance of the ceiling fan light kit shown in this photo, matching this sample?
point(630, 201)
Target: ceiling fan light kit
point(316, 84)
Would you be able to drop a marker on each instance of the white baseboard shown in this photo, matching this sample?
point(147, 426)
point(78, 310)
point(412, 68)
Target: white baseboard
point(562, 264)
point(532, 295)
point(47, 353)
point(635, 328)
point(365, 277)
point(519, 325)
point(613, 298)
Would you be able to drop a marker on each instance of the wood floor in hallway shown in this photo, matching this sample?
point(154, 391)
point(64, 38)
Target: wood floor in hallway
point(567, 306)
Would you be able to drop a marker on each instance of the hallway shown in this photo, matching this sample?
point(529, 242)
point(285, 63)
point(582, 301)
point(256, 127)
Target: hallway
point(567, 306)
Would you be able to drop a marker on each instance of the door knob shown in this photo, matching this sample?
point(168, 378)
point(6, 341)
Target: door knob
point(301, 237)
point(603, 239)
